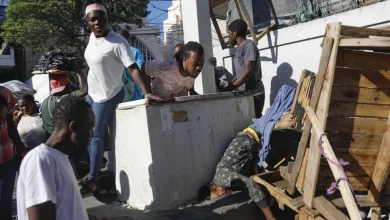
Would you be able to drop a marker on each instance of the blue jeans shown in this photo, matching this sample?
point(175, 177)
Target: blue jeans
point(104, 113)
point(7, 181)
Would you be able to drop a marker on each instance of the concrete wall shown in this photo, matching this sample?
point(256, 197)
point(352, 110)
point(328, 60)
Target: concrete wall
point(162, 161)
point(286, 52)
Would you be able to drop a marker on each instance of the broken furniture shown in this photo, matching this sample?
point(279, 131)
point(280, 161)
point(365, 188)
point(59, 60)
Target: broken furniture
point(350, 102)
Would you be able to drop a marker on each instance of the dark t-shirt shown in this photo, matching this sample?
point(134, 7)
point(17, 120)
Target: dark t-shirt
point(249, 52)
point(47, 108)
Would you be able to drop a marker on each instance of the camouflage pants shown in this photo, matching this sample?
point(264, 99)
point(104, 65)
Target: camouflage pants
point(236, 167)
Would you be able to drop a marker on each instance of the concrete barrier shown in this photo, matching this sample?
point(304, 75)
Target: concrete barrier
point(165, 153)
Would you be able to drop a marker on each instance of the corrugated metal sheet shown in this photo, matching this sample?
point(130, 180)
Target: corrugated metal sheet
point(286, 9)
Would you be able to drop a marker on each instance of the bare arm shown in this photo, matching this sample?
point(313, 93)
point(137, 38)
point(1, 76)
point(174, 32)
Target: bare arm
point(72, 62)
point(246, 74)
point(44, 211)
point(14, 134)
point(83, 83)
point(145, 78)
point(142, 80)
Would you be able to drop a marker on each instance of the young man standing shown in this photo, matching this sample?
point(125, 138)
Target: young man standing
point(173, 78)
point(247, 64)
point(47, 187)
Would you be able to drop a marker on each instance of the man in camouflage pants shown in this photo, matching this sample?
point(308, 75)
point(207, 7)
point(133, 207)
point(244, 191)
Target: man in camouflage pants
point(235, 168)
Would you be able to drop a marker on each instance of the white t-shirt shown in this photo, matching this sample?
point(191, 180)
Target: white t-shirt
point(168, 82)
point(106, 58)
point(46, 175)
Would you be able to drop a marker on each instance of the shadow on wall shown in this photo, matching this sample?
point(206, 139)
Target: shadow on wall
point(272, 47)
point(124, 195)
point(153, 186)
point(283, 77)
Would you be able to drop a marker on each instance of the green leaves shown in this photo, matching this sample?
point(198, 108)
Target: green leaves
point(58, 24)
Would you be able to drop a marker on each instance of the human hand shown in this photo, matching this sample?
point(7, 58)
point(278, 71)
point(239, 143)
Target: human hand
point(153, 97)
point(72, 64)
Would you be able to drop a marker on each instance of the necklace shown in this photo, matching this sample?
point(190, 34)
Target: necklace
point(99, 41)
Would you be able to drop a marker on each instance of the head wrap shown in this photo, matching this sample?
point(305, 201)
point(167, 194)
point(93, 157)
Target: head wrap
point(95, 7)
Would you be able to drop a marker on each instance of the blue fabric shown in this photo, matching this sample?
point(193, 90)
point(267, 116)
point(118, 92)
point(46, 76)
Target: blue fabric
point(265, 125)
point(139, 59)
point(103, 117)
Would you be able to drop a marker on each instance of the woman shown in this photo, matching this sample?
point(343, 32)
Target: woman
point(30, 126)
point(106, 54)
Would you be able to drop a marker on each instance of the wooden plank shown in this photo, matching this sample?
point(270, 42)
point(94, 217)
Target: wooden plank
point(215, 3)
point(241, 7)
point(361, 95)
point(343, 186)
point(265, 32)
point(277, 193)
point(303, 97)
point(376, 213)
point(364, 43)
point(363, 32)
point(301, 176)
point(271, 6)
point(356, 125)
point(217, 29)
point(325, 56)
point(239, 10)
point(328, 210)
point(361, 141)
point(382, 166)
point(297, 91)
point(362, 78)
point(352, 169)
point(345, 109)
point(360, 199)
point(313, 161)
point(363, 60)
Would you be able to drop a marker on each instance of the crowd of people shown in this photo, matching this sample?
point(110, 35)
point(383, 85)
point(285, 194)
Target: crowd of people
point(70, 126)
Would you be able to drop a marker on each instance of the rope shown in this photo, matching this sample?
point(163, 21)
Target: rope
point(340, 164)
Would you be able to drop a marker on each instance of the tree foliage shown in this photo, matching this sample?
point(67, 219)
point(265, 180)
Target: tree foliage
point(57, 24)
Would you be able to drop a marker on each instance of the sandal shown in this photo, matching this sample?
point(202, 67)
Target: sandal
point(86, 187)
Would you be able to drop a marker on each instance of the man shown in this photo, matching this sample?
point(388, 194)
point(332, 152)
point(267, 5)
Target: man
point(8, 161)
point(222, 76)
point(132, 91)
point(247, 64)
point(61, 87)
point(47, 188)
point(172, 78)
point(236, 167)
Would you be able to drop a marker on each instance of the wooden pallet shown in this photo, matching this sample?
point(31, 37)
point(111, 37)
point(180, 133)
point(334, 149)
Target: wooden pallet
point(350, 102)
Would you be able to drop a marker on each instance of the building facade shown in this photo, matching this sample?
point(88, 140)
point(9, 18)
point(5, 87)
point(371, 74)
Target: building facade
point(173, 29)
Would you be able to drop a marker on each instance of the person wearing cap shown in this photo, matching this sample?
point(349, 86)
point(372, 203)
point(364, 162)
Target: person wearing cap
point(60, 87)
point(106, 54)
